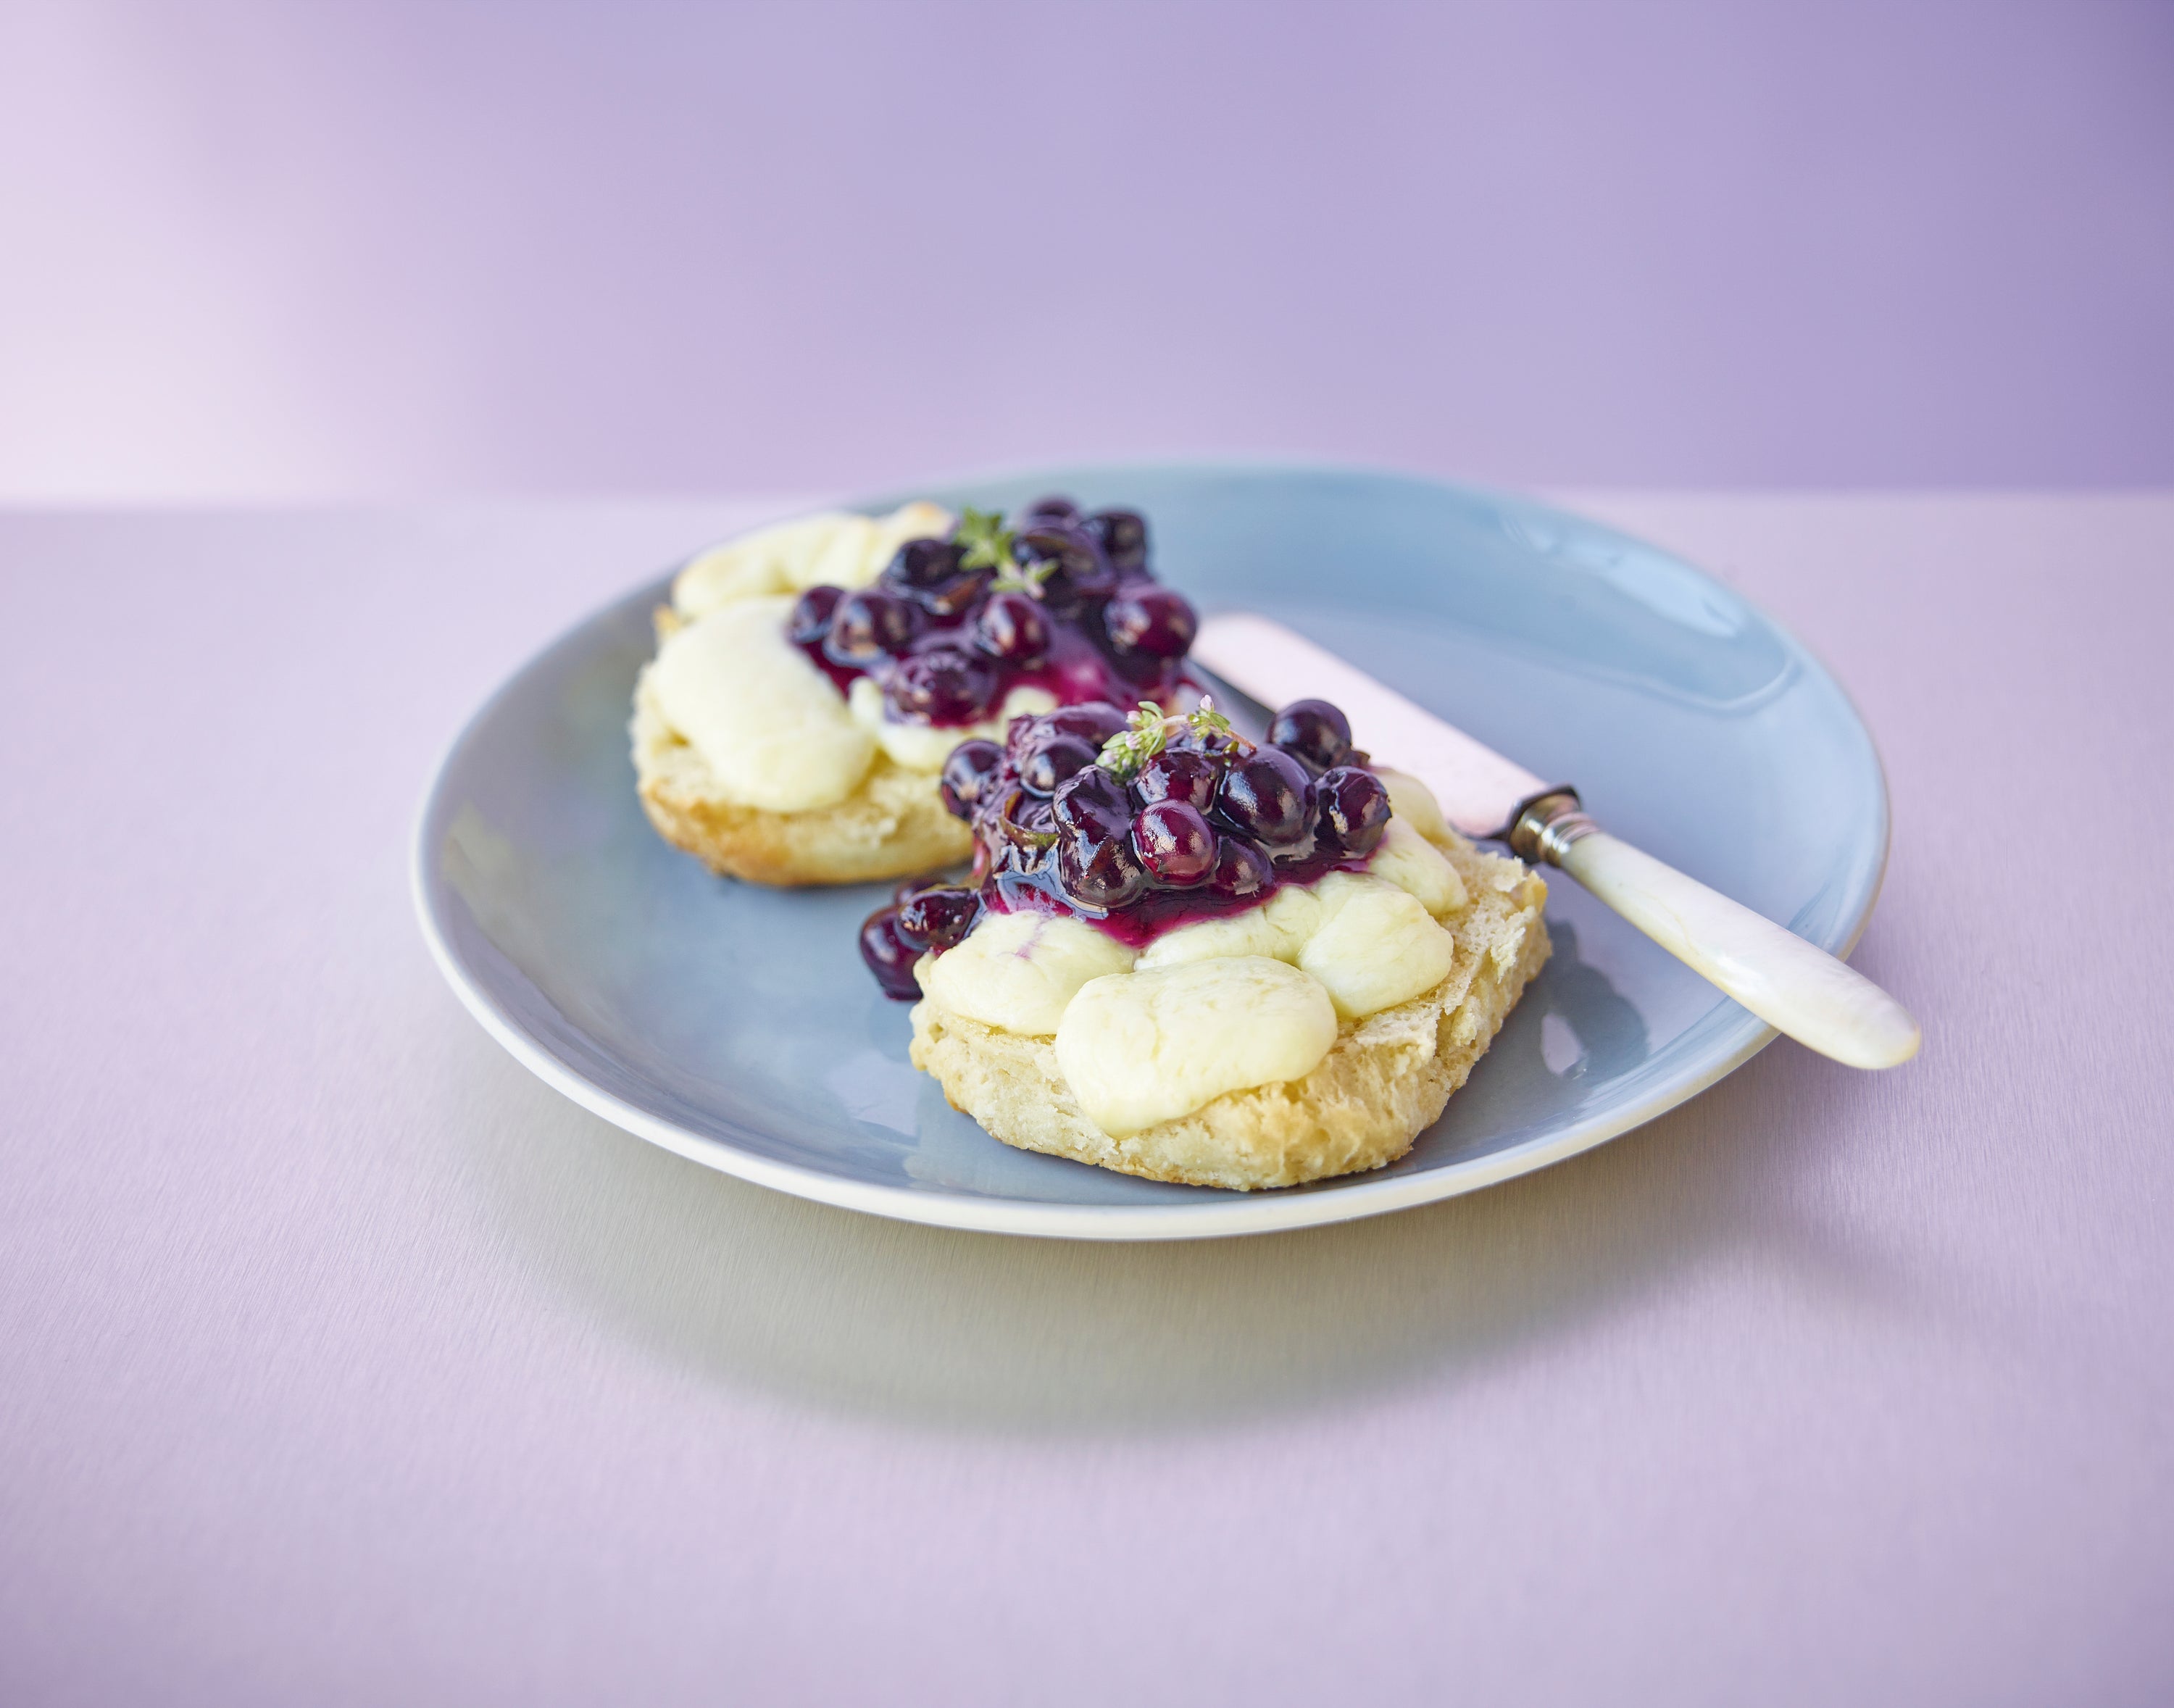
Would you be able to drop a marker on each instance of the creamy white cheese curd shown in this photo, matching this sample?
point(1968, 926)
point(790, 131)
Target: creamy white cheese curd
point(768, 724)
point(1376, 945)
point(1199, 1013)
point(1142, 1047)
point(1282, 928)
point(1278, 930)
point(1371, 943)
point(1414, 801)
point(1018, 971)
point(834, 548)
point(923, 747)
point(1414, 865)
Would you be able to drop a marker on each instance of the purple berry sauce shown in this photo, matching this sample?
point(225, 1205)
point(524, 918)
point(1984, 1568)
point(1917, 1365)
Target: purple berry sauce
point(1180, 820)
point(1075, 612)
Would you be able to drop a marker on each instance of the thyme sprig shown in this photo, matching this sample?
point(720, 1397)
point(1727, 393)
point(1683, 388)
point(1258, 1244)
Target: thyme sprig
point(1023, 578)
point(988, 545)
point(1205, 721)
point(1147, 733)
point(987, 541)
point(1148, 730)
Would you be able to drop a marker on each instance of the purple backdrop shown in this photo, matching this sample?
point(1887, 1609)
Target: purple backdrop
point(407, 247)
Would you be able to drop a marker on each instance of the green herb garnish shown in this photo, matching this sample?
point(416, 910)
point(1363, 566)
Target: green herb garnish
point(1125, 753)
point(987, 541)
point(1207, 720)
point(988, 545)
point(1150, 728)
point(1023, 578)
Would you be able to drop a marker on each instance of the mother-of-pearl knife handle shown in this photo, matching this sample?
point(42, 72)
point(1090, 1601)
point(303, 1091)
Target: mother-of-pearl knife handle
point(1791, 986)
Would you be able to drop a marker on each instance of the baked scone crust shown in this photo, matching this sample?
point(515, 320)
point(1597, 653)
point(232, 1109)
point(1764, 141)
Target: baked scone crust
point(1383, 1082)
point(892, 825)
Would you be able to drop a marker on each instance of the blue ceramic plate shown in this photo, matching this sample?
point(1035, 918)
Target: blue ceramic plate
point(736, 1025)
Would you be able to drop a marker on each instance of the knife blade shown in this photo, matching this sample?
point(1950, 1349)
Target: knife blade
point(1480, 790)
point(1790, 984)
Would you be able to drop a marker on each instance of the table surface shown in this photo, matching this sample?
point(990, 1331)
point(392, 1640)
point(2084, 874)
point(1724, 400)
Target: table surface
point(342, 1361)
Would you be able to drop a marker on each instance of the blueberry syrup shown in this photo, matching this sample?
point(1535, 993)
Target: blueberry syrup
point(1138, 824)
point(1076, 612)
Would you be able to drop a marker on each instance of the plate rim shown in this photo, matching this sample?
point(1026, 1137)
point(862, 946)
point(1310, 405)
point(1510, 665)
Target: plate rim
point(1228, 1215)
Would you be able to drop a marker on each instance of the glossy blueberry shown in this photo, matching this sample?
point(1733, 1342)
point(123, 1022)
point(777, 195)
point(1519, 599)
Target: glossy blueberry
point(1148, 619)
point(1063, 542)
point(1091, 803)
point(867, 624)
point(939, 917)
point(1093, 720)
point(956, 596)
point(933, 575)
point(943, 686)
point(1080, 571)
point(919, 564)
point(810, 620)
point(1243, 870)
point(1050, 763)
point(1222, 747)
point(1100, 872)
point(1353, 809)
point(1027, 822)
point(1175, 774)
point(967, 773)
point(1263, 796)
point(1124, 536)
point(1054, 508)
point(1175, 843)
point(1314, 729)
point(889, 956)
point(1011, 626)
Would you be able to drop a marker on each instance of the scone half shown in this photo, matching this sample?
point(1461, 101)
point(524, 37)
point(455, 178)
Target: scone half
point(812, 679)
point(886, 820)
point(893, 823)
point(1386, 1079)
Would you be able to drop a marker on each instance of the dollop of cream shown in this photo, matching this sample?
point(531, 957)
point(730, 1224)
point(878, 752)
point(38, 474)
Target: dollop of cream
point(767, 723)
point(921, 747)
point(1415, 866)
point(1376, 945)
point(1368, 942)
point(1414, 801)
point(1142, 1047)
point(1287, 926)
point(1223, 1004)
point(1018, 971)
point(836, 548)
point(1278, 930)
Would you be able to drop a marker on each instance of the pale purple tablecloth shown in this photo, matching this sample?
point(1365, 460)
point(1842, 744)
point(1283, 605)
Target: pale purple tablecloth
point(342, 1362)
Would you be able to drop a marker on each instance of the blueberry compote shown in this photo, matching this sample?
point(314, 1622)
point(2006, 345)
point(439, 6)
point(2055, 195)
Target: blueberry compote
point(1138, 823)
point(1054, 599)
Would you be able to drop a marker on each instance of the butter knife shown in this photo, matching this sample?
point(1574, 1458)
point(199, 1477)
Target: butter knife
point(1791, 986)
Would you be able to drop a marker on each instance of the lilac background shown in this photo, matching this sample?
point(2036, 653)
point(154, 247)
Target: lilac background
point(260, 250)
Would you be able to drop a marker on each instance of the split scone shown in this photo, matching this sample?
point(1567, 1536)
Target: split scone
point(1202, 960)
point(812, 679)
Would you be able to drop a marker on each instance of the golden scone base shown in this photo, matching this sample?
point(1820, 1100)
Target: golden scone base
point(1383, 1082)
point(893, 826)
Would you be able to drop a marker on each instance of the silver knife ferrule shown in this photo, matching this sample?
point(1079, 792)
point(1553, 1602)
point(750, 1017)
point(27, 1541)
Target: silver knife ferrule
point(1547, 825)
